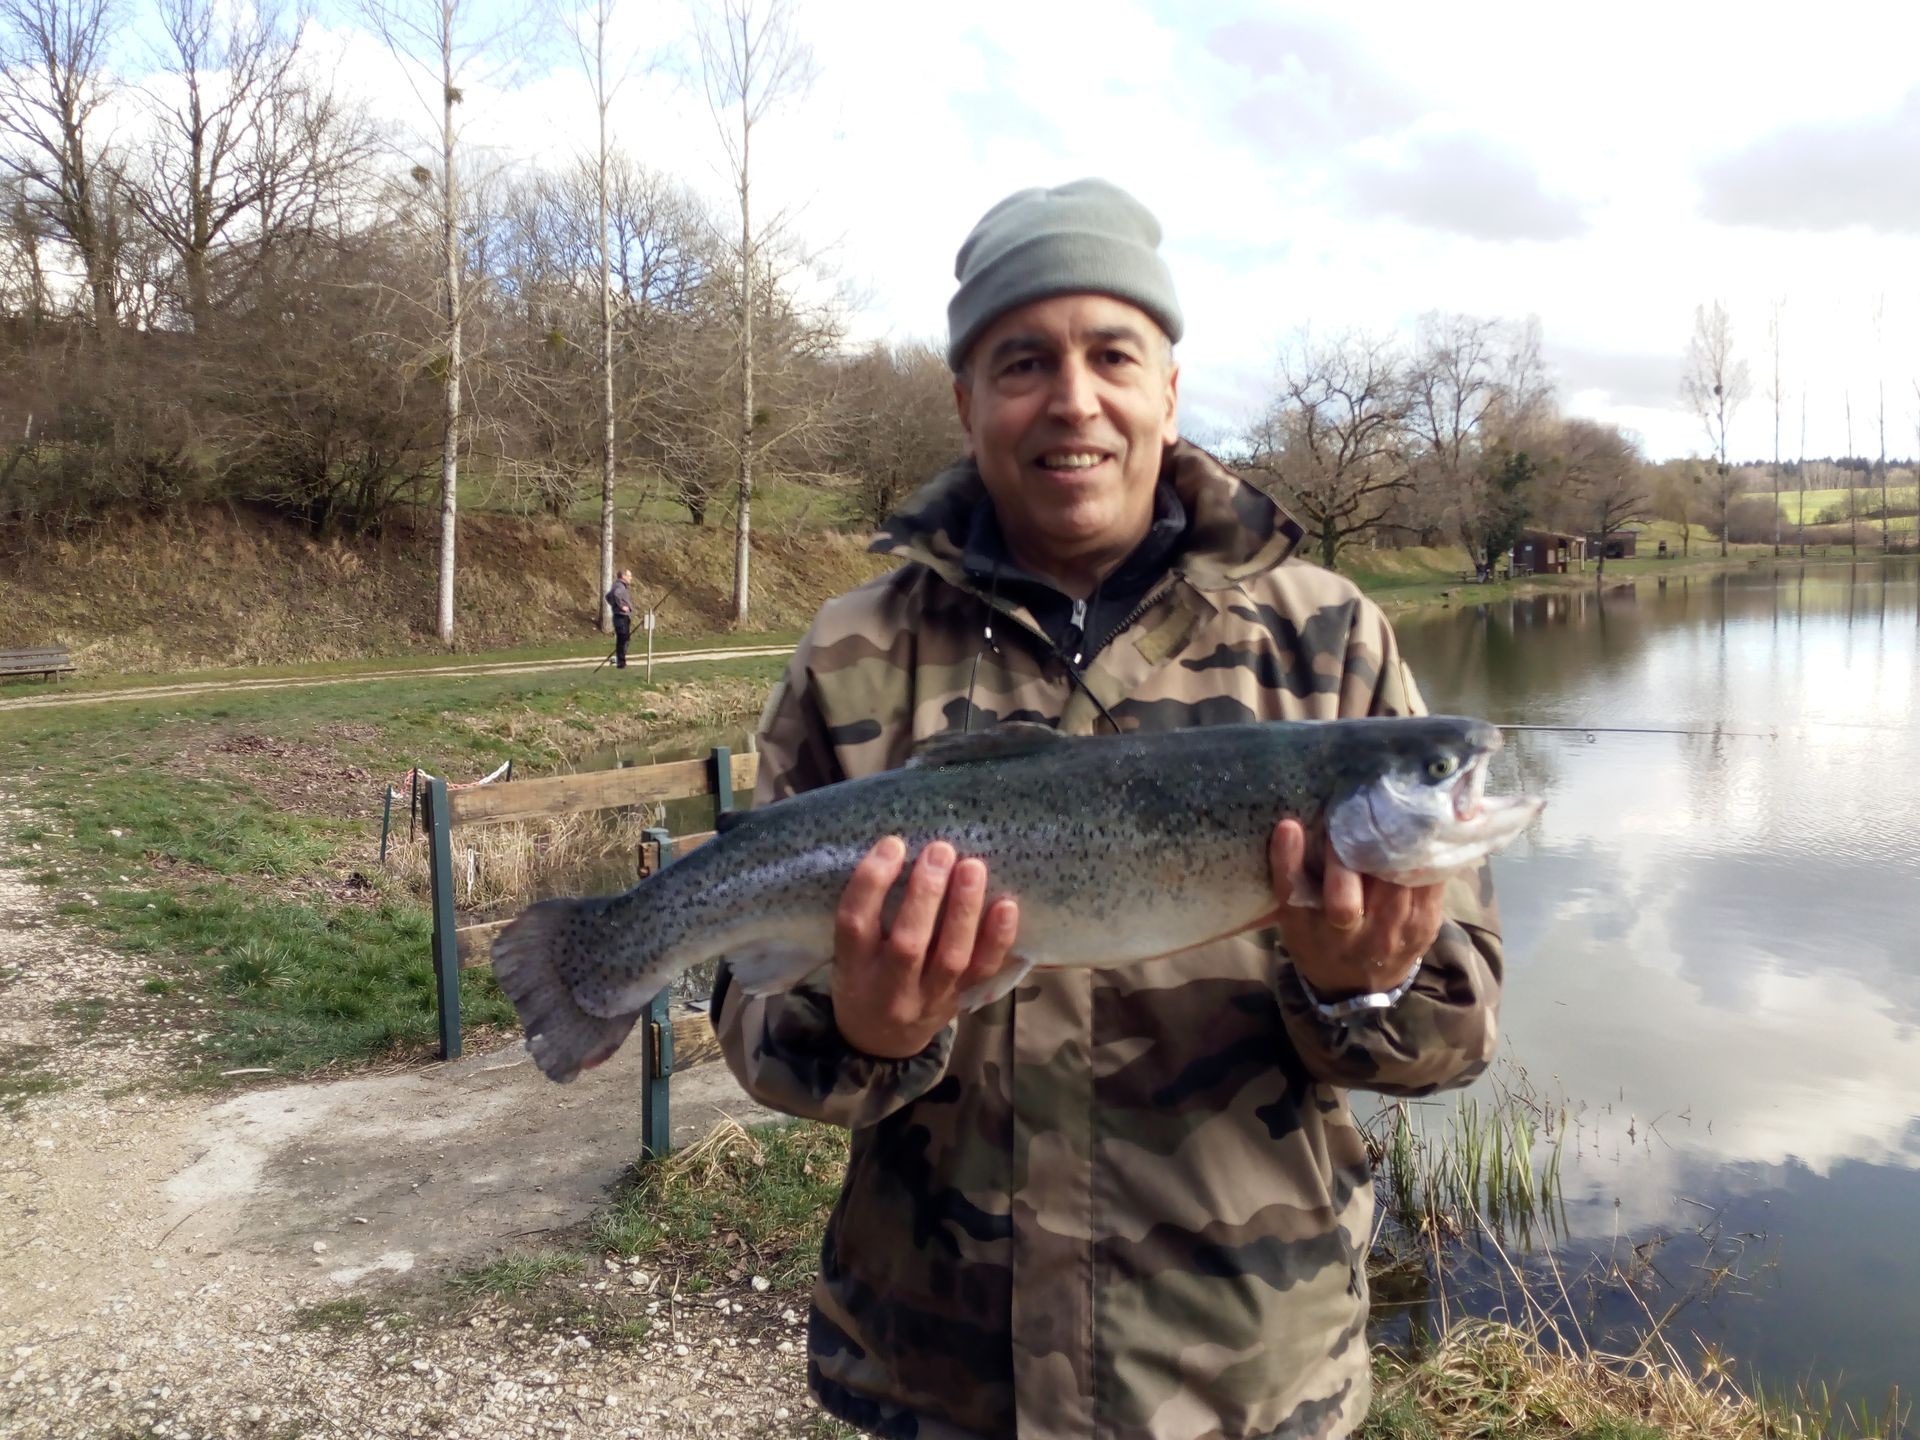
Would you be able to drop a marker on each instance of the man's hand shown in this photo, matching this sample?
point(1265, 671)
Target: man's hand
point(1367, 933)
point(894, 990)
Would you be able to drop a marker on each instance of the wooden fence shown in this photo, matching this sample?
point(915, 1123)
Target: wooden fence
point(668, 1042)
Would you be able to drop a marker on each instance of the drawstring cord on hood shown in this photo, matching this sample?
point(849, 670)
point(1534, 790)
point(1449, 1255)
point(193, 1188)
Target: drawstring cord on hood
point(988, 642)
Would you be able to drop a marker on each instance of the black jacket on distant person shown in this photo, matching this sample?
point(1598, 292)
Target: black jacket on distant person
point(621, 601)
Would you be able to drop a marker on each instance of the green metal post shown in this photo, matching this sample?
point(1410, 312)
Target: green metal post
point(413, 804)
point(720, 781)
point(446, 957)
point(656, 1053)
point(386, 819)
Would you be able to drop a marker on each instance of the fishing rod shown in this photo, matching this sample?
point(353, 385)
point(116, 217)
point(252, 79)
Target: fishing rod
point(1592, 730)
point(653, 607)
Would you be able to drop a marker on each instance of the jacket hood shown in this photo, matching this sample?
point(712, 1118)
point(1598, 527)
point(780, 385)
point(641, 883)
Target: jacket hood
point(1236, 530)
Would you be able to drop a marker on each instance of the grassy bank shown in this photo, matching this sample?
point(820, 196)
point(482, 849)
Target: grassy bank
point(216, 588)
point(734, 1224)
point(231, 842)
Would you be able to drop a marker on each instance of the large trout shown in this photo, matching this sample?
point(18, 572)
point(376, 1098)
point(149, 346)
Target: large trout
point(1119, 848)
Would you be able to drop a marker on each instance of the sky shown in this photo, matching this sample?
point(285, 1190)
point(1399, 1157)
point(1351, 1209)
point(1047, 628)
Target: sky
point(1336, 168)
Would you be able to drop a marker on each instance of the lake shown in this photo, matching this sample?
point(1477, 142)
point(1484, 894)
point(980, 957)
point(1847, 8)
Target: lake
point(1713, 946)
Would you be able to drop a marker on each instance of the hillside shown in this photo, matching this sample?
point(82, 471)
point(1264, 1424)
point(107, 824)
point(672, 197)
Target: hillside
point(220, 587)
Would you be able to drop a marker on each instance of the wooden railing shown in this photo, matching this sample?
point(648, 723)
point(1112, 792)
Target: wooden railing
point(668, 1041)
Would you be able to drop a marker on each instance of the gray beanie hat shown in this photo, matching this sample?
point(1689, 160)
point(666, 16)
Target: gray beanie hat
point(1086, 236)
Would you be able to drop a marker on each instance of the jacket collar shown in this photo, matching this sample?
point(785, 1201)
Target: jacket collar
point(1234, 530)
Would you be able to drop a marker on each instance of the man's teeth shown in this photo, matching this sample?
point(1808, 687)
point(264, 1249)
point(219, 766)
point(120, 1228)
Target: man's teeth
point(1071, 460)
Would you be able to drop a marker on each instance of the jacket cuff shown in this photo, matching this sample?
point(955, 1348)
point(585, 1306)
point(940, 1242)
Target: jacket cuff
point(795, 1059)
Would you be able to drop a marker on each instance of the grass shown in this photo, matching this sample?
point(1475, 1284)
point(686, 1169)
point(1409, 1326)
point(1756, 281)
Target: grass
point(1899, 497)
point(231, 842)
point(23, 1076)
point(738, 1202)
point(516, 1273)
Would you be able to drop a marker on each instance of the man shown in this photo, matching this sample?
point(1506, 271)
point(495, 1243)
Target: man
point(620, 601)
point(1121, 1203)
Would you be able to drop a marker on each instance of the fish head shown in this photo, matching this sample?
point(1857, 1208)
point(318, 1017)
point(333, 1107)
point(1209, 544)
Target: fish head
point(1414, 807)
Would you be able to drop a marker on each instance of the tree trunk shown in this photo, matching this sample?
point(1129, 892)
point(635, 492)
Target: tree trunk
point(606, 358)
point(742, 524)
point(450, 419)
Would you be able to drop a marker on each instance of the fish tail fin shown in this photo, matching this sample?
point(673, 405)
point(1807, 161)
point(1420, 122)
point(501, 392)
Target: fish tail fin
point(562, 1037)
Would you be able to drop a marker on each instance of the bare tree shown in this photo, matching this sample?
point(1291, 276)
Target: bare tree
point(1601, 466)
point(1880, 381)
point(1477, 394)
point(434, 37)
point(588, 30)
point(752, 60)
point(1803, 469)
point(24, 289)
point(245, 152)
point(1853, 492)
point(1776, 395)
point(896, 425)
point(1333, 441)
point(1715, 384)
point(53, 81)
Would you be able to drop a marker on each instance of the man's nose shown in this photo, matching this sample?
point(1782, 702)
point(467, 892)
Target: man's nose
point(1074, 396)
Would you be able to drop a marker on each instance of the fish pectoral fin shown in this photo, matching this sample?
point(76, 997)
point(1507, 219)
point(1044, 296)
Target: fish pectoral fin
point(978, 997)
point(768, 967)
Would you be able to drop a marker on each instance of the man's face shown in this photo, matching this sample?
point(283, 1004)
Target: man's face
point(1067, 404)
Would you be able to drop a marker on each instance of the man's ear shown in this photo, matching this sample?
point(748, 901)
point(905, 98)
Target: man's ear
point(1170, 430)
point(963, 402)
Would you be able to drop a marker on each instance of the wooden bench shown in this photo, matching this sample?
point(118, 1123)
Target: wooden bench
point(669, 1041)
point(46, 661)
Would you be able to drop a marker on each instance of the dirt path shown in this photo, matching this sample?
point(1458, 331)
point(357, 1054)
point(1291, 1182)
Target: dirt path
point(433, 672)
point(161, 1256)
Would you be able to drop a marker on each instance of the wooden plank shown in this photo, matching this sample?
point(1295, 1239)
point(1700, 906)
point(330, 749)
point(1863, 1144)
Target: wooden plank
point(694, 1042)
point(567, 794)
point(650, 852)
point(594, 790)
point(474, 943)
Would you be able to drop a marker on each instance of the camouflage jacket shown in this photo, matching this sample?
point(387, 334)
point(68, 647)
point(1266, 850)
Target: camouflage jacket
point(1118, 1204)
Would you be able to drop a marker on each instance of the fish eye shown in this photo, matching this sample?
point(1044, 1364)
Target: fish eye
point(1441, 766)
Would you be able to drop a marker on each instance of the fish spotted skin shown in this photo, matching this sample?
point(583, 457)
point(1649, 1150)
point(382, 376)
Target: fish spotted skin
point(1118, 849)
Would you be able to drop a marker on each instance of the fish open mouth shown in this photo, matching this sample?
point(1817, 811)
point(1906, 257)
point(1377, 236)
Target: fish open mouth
point(1415, 832)
point(1470, 789)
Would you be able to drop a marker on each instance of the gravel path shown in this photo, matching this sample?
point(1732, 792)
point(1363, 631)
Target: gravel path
point(161, 1257)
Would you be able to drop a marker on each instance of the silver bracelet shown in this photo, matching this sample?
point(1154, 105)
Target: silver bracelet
point(1357, 1004)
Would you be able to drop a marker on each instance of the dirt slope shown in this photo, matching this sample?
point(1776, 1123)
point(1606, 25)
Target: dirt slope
point(218, 587)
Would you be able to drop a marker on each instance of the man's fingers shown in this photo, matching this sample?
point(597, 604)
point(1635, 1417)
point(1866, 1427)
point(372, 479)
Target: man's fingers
point(1286, 858)
point(857, 921)
point(992, 943)
point(912, 930)
point(952, 949)
point(1342, 896)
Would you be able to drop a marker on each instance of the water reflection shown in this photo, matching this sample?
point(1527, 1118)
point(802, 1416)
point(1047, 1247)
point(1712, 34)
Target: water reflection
point(1714, 939)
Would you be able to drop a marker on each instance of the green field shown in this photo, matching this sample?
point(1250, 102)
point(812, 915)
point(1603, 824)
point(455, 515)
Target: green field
point(1899, 497)
point(230, 842)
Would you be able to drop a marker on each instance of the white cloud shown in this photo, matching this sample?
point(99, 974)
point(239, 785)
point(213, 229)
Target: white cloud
point(1306, 167)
